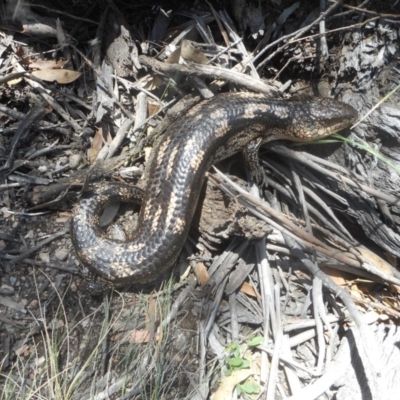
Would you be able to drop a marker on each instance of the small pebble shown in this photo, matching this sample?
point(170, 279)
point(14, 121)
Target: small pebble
point(5, 289)
point(45, 257)
point(61, 254)
point(75, 161)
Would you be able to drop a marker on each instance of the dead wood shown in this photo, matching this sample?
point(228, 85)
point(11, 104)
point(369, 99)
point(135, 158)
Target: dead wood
point(306, 265)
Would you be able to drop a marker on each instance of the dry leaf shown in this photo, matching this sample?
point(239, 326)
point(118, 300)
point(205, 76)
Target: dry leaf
point(152, 107)
point(139, 336)
point(47, 64)
point(14, 82)
point(356, 292)
point(341, 278)
point(150, 82)
point(376, 260)
point(23, 350)
point(379, 263)
point(201, 273)
point(36, 27)
point(187, 51)
point(61, 76)
point(133, 336)
point(174, 56)
point(96, 145)
point(248, 289)
point(190, 53)
point(147, 152)
point(229, 383)
point(371, 317)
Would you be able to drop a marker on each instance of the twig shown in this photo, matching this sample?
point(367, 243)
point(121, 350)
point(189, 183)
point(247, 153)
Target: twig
point(291, 35)
point(55, 11)
point(54, 104)
point(210, 72)
point(10, 77)
point(41, 124)
point(36, 248)
point(35, 113)
point(364, 11)
point(305, 159)
point(324, 44)
point(273, 373)
point(333, 372)
point(282, 223)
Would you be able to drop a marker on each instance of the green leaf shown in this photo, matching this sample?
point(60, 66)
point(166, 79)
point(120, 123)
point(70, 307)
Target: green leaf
point(239, 390)
point(235, 362)
point(228, 372)
point(250, 387)
point(255, 341)
point(232, 347)
point(364, 146)
point(247, 387)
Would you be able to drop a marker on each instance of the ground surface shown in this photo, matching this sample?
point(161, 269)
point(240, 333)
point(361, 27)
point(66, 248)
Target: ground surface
point(229, 304)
